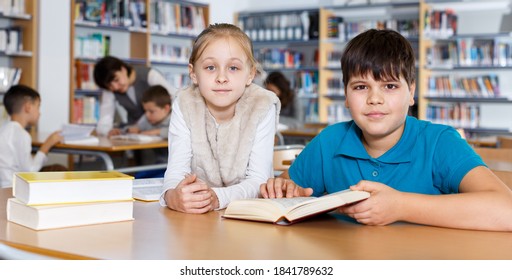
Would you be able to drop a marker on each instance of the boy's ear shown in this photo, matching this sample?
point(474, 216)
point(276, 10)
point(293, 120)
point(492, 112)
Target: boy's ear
point(27, 106)
point(192, 74)
point(412, 90)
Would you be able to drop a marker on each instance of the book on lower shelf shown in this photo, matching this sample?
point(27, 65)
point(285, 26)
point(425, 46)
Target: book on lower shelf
point(53, 216)
point(286, 211)
point(39, 188)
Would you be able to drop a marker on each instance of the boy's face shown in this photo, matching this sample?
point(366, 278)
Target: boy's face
point(32, 108)
point(121, 81)
point(379, 108)
point(155, 114)
point(222, 73)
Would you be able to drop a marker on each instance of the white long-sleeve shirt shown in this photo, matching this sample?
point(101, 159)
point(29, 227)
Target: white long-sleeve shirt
point(108, 101)
point(16, 153)
point(258, 171)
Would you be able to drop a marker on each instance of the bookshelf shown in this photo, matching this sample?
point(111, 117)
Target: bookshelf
point(338, 25)
point(18, 56)
point(287, 41)
point(155, 33)
point(466, 67)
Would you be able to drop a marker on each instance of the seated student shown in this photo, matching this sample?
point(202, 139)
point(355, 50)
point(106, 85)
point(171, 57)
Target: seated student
point(405, 163)
point(124, 84)
point(22, 104)
point(222, 127)
point(155, 121)
point(290, 115)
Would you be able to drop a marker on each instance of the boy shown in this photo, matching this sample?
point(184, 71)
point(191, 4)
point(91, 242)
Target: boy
point(22, 104)
point(404, 163)
point(155, 121)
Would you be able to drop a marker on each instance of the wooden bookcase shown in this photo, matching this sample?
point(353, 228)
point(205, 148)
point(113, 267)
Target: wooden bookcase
point(458, 64)
point(134, 44)
point(26, 58)
point(328, 92)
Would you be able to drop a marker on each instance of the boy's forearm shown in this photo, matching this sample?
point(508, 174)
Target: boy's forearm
point(489, 210)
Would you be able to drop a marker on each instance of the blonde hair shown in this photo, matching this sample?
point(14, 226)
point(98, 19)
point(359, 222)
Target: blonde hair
point(218, 31)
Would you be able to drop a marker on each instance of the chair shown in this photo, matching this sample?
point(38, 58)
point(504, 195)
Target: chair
point(284, 156)
point(504, 142)
point(279, 139)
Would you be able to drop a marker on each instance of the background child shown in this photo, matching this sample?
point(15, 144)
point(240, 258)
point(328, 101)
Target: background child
point(222, 127)
point(124, 84)
point(403, 162)
point(290, 114)
point(22, 104)
point(155, 121)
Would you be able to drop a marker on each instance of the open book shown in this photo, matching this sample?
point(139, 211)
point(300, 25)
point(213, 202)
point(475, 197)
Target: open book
point(285, 211)
point(78, 134)
point(132, 137)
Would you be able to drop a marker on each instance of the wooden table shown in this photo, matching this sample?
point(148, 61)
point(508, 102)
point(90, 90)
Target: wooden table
point(104, 149)
point(160, 233)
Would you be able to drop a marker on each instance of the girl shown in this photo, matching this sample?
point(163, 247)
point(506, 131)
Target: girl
point(222, 126)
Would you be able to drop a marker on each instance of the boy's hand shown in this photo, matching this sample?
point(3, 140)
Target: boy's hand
point(192, 196)
point(281, 187)
point(115, 131)
point(381, 208)
point(50, 141)
point(133, 129)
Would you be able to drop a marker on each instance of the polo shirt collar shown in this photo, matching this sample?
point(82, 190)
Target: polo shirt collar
point(352, 146)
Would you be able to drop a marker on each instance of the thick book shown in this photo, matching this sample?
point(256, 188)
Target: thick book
point(68, 215)
point(35, 188)
point(285, 211)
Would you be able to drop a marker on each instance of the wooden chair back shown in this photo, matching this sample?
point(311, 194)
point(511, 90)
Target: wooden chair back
point(284, 156)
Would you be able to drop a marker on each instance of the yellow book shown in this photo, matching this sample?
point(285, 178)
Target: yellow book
point(68, 215)
point(39, 188)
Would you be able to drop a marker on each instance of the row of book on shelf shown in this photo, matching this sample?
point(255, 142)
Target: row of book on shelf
point(12, 7)
point(176, 18)
point(86, 110)
point(92, 46)
point(440, 23)
point(11, 39)
point(166, 17)
point(340, 29)
point(496, 52)
point(125, 13)
point(166, 52)
point(293, 26)
point(476, 86)
point(454, 114)
point(279, 58)
point(337, 112)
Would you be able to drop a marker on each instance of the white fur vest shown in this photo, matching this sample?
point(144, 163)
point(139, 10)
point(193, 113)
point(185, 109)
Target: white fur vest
point(220, 156)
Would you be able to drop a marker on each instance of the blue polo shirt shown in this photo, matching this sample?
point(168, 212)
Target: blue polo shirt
point(428, 159)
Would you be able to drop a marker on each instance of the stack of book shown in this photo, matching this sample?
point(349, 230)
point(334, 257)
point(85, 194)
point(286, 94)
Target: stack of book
point(47, 200)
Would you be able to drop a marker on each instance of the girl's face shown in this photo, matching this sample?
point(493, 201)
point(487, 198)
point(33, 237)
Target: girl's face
point(222, 73)
point(121, 81)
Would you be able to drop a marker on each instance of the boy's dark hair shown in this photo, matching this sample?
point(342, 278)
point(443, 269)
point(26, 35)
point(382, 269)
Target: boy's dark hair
point(157, 94)
point(17, 96)
point(106, 68)
point(281, 82)
point(383, 53)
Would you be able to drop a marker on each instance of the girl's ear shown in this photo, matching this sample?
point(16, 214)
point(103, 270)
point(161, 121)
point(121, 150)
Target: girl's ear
point(251, 76)
point(192, 74)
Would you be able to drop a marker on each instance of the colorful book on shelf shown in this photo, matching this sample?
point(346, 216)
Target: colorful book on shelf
point(42, 217)
point(285, 211)
point(39, 188)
